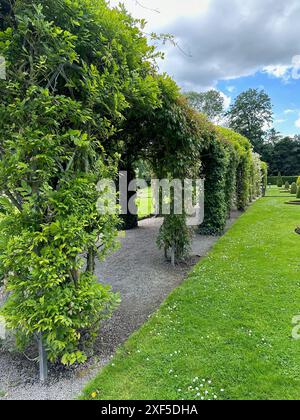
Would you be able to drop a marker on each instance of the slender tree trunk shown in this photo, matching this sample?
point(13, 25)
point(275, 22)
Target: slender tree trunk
point(129, 218)
point(91, 261)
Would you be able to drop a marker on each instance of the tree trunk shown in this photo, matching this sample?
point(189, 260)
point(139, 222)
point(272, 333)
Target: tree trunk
point(129, 218)
point(91, 261)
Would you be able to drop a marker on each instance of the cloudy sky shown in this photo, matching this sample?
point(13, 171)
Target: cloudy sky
point(232, 45)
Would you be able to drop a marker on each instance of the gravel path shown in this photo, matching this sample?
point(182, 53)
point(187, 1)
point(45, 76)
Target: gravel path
point(138, 270)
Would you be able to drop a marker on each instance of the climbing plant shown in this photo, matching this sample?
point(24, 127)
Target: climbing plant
point(257, 176)
point(244, 161)
point(215, 163)
point(83, 99)
point(264, 172)
point(174, 153)
point(73, 71)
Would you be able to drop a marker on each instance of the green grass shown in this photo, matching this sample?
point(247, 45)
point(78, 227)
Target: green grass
point(229, 323)
point(144, 203)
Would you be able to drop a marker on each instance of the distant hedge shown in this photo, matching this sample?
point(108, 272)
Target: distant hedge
point(290, 179)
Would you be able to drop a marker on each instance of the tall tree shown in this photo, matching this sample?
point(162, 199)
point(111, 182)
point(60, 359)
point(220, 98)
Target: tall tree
point(210, 103)
point(272, 136)
point(286, 157)
point(250, 115)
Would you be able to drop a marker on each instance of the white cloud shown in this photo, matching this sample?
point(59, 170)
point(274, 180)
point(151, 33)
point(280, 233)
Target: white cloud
point(296, 67)
point(227, 100)
point(159, 13)
point(297, 123)
point(281, 72)
point(225, 39)
point(280, 121)
point(231, 89)
point(286, 72)
point(290, 111)
point(224, 44)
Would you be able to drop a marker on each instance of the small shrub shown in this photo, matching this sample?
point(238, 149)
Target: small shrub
point(298, 181)
point(287, 186)
point(279, 180)
point(294, 188)
point(298, 192)
point(175, 236)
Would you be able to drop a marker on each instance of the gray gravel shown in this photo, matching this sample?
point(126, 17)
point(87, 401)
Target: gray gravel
point(144, 279)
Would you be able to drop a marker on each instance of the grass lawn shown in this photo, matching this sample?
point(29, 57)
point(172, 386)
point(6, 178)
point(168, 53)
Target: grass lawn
point(226, 332)
point(144, 203)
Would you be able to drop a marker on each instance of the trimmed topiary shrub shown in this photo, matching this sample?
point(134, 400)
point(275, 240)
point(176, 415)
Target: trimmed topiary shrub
point(279, 180)
point(298, 192)
point(294, 188)
point(287, 186)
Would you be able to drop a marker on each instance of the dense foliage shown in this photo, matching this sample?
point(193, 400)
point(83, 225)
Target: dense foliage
point(234, 177)
point(243, 162)
point(294, 188)
point(250, 114)
point(272, 180)
point(215, 165)
point(264, 174)
point(279, 180)
point(73, 71)
point(210, 103)
point(83, 99)
point(174, 131)
point(283, 156)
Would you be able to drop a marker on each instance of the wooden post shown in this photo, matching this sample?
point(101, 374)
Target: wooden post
point(43, 360)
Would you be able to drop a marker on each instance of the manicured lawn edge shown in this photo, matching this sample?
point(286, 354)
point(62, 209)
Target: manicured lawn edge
point(227, 327)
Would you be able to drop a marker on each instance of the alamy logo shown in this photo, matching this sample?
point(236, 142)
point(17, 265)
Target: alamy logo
point(2, 68)
point(174, 196)
point(2, 328)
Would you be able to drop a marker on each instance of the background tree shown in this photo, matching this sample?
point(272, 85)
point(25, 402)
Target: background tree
point(250, 114)
point(286, 157)
point(210, 103)
point(272, 136)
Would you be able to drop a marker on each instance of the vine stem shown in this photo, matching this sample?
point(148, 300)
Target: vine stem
point(43, 360)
